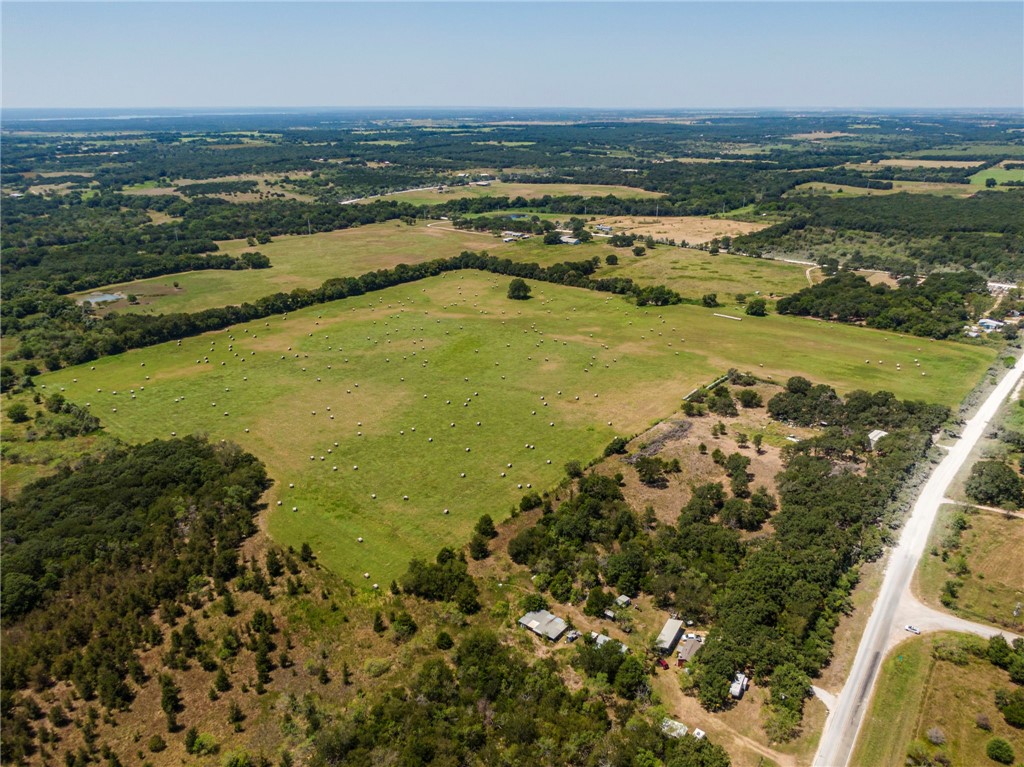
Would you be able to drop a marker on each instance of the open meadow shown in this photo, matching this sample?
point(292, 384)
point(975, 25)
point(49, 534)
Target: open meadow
point(695, 272)
point(912, 187)
point(306, 261)
point(691, 229)
point(1000, 174)
point(512, 189)
point(916, 692)
point(992, 583)
point(377, 383)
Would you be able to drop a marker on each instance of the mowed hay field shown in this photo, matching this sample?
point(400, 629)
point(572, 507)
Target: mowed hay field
point(695, 272)
point(915, 693)
point(432, 196)
point(306, 261)
point(397, 361)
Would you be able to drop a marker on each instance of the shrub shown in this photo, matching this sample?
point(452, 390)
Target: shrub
point(156, 744)
point(999, 750)
point(444, 641)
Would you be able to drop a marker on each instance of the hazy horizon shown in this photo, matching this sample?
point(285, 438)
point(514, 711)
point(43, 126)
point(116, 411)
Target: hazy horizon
point(614, 56)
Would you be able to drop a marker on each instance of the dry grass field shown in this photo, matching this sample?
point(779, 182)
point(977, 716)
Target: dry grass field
point(992, 547)
point(693, 229)
point(916, 692)
point(496, 188)
point(913, 187)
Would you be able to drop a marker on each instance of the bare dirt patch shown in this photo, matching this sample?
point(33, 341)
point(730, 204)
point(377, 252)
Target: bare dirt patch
point(692, 229)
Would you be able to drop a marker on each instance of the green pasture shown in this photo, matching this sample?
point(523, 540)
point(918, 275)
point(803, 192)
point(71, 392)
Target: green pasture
point(301, 261)
point(1001, 175)
point(695, 272)
point(388, 372)
point(305, 261)
point(515, 189)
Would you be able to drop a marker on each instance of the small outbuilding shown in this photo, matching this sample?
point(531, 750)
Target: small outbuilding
point(739, 685)
point(544, 624)
point(623, 601)
point(669, 636)
point(876, 435)
point(673, 729)
point(602, 639)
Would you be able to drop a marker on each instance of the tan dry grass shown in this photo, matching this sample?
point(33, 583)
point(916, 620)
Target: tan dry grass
point(693, 229)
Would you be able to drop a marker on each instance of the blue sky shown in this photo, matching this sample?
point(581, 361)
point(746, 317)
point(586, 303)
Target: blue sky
point(636, 55)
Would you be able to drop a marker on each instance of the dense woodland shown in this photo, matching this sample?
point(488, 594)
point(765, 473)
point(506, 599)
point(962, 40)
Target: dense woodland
point(938, 307)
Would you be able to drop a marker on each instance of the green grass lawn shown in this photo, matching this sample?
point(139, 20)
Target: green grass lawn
point(1001, 175)
point(915, 693)
point(393, 361)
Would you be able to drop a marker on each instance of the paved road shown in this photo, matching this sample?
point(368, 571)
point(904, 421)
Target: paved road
point(844, 721)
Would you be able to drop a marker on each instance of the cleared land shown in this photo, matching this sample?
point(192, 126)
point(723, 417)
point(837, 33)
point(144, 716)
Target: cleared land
point(434, 334)
point(696, 272)
point(693, 229)
point(915, 693)
point(1001, 175)
point(299, 261)
point(502, 189)
point(305, 261)
point(913, 187)
point(911, 162)
point(994, 585)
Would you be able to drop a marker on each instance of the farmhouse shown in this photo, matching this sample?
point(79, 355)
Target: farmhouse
point(603, 228)
point(567, 240)
point(688, 649)
point(669, 636)
point(544, 624)
point(988, 325)
point(876, 435)
point(739, 685)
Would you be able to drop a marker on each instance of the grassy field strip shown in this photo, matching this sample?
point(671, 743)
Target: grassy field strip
point(409, 350)
point(515, 189)
point(915, 693)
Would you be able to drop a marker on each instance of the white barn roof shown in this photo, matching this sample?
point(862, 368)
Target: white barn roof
point(669, 635)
